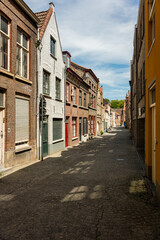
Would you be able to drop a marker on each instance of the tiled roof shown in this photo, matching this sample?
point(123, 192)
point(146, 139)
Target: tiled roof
point(44, 18)
point(82, 70)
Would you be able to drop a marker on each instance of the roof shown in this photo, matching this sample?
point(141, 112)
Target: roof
point(77, 76)
point(25, 7)
point(44, 18)
point(82, 70)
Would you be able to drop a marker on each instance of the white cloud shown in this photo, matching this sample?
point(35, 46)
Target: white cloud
point(97, 33)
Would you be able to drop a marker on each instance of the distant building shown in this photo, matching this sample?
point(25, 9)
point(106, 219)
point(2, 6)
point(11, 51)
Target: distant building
point(77, 99)
point(138, 81)
point(90, 78)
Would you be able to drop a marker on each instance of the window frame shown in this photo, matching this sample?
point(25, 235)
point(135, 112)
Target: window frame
point(61, 137)
point(54, 44)
point(25, 142)
point(22, 49)
point(48, 73)
point(58, 97)
point(74, 127)
point(80, 98)
point(67, 91)
point(7, 36)
point(85, 100)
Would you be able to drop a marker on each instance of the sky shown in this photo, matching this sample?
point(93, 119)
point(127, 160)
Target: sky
point(99, 36)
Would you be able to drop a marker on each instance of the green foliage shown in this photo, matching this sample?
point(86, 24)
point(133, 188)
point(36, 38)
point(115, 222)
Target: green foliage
point(107, 100)
point(117, 103)
point(102, 132)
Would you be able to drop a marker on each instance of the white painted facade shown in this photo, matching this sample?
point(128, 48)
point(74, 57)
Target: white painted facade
point(55, 67)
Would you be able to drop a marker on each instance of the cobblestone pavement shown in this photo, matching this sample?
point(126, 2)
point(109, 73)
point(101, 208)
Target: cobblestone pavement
point(93, 191)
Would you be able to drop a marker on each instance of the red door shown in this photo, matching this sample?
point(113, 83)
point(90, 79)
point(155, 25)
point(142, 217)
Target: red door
point(66, 134)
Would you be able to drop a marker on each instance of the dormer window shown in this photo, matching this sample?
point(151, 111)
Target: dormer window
point(4, 42)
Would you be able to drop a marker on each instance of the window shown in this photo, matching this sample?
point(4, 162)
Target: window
point(152, 95)
point(4, 43)
point(58, 88)
point(22, 54)
point(53, 46)
point(84, 99)
point(74, 127)
point(85, 126)
point(46, 82)
point(73, 93)
point(80, 98)
point(151, 31)
point(67, 92)
point(57, 129)
point(22, 121)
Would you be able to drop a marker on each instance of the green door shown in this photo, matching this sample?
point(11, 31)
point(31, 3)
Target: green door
point(45, 139)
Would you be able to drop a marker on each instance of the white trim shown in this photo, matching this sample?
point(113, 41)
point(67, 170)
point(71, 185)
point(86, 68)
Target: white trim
point(59, 140)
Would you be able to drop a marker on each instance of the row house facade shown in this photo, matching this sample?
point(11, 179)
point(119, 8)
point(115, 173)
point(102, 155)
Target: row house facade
point(18, 35)
point(50, 82)
point(89, 78)
point(137, 82)
point(152, 55)
point(107, 115)
point(128, 110)
point(100, 110)
point(77, 99)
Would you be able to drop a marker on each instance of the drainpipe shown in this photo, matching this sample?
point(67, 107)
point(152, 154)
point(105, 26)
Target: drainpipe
point(39, 48)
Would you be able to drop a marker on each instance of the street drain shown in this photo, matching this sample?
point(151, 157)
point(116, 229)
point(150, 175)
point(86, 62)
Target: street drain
point(120, 159)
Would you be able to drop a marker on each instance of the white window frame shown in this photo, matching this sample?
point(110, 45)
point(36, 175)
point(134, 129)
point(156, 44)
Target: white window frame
point(8, 37)
point(20, 45)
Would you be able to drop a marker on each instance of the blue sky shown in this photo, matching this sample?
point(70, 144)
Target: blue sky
point(99, 35)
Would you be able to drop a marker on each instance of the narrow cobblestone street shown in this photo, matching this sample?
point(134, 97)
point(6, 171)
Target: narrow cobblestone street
point(93, 191)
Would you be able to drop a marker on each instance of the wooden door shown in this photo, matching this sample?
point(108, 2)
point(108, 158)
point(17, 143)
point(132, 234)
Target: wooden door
point(1, 140)
point(66, 134)
point(154, 145)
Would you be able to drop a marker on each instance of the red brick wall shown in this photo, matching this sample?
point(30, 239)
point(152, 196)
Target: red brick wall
point(13, 85)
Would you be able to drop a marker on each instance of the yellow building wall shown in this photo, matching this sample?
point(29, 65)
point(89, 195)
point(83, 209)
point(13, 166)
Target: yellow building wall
point(152, 57)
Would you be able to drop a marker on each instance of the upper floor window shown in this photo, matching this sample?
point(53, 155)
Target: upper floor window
point(73, 94)
point(84, 99)
point(46, 82)
point(67, 92)
point(53, 46)
point(58, 88)
point(80, 98)
point(4, 42)
point(22, 54)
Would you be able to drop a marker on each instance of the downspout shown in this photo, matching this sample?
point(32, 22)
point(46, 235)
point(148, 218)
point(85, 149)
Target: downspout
point(37, 114)
point(65, 74)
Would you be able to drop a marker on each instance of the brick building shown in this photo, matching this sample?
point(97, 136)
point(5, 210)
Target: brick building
point(138, 81)
point(77, 99)
point(100, 110)
point(90, 78)
point(18, 35)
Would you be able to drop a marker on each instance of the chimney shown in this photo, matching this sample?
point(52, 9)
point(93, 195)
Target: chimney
point(51, 5)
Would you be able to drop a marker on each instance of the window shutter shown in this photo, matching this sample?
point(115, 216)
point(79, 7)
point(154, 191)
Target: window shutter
point(22, 120)
point(57, 129)
point(86, 125)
